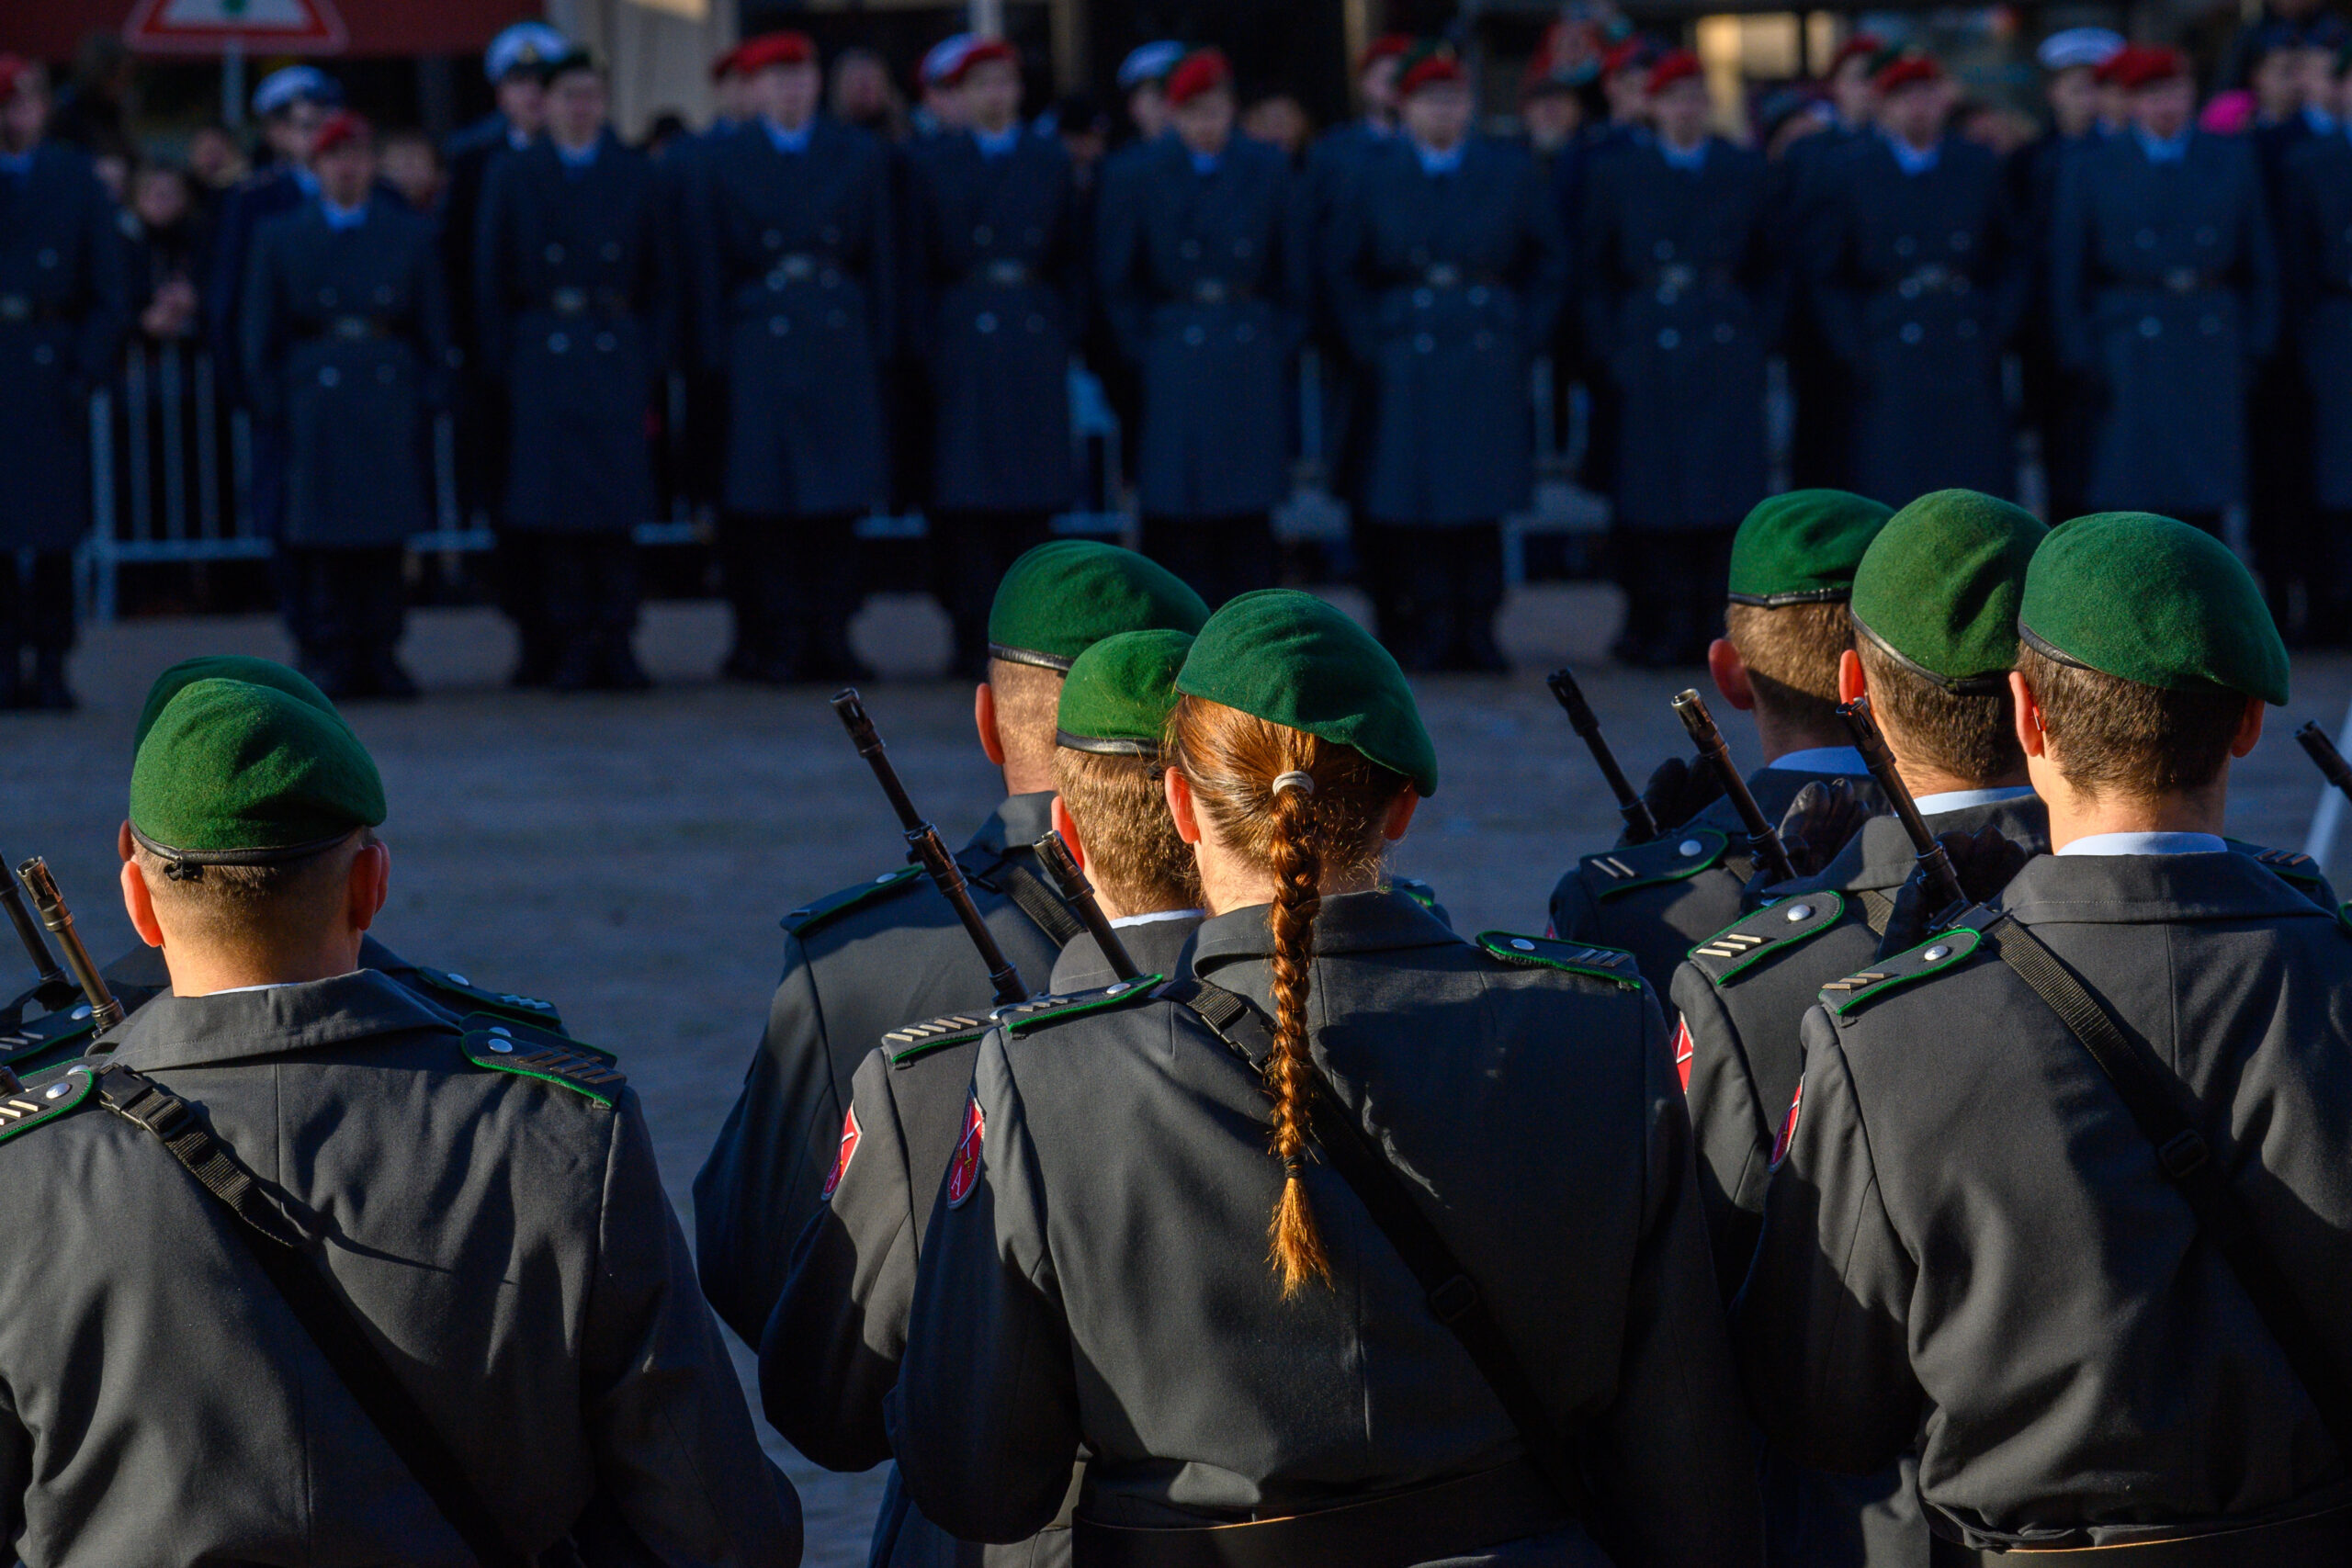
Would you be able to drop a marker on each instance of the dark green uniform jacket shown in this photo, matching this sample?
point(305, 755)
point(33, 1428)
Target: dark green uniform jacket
point(1097, 1273)
point(1970, 1244)
point(506, 1239)
point(1658, 900)
point(832, 1347)
point(860, 962)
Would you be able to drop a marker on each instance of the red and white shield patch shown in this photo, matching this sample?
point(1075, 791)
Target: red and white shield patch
point(1682, 1049)
point(964, 1171)
point(842, 1159)
point(1788, 1127)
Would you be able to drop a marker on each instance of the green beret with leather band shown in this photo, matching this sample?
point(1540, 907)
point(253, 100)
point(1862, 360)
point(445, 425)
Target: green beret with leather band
point(2151, 600)
point(1119, 693)
point(1802, 547)
point(1937, 588)
point(236, 774)
point(1061, 598)
point(1292, 660)
point(228, 667)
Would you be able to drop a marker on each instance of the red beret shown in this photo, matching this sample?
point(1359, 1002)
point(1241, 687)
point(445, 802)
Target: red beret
point(1388, 46)
point(756, 54)
point(337, 129)
point(1433, 66)
point(979, 53)
point(14, 69)
point(2140, 66)
point(725, 64)
point(1624, 55)
point(1907, 71)
point(1861, 46)
point(1203, 71)
point(1672, 67)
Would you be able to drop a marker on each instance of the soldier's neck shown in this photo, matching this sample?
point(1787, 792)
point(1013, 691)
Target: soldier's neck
point(2074, 815)
point(198, 971)
point(1780, 734)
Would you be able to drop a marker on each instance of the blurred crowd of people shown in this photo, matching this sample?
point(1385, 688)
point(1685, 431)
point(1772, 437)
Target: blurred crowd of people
point(834, 300)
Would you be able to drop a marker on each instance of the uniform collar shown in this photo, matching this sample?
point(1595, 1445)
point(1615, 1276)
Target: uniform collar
point(1880, 857)
point(19, 164)
point(784, 141)
point(1354, 922)
point(1002, 145)
point(2144, 889)
point(1831, 760)
point(1018, 822)
point(185, 1032)
point(2173, 152)
point(1691, 162)
point(342, 217)
point(578, 158)
point(1961, 799)
point(2147, 845)
point(1436, 162)
point(1909, 159)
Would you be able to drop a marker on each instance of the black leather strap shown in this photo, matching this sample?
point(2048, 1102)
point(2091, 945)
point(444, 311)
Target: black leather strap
point(2316, 1540)
point(2152, 1095)
point(1029, 893)
point(280, 1238)
point(1454, 1297)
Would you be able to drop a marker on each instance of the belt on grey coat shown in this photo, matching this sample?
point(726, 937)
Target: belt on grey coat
point(1449, 1519)
point(2316, 1540)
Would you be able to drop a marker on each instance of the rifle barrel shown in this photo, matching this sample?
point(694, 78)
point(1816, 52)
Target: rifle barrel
point(28, 932)
point(2323, 752)
point(1640, 826)
point(1070, 881)
point(1763, 837)
point(1870, 741)
point(105, 1012)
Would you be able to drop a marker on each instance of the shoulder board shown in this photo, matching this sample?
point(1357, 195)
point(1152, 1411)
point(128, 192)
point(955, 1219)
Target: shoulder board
point(480, 998)
point(1038, 1011)
point(1574, 957)
point(833, 906)
point(1682, 852)
point(917, 1041)
point(1419, 892)
point(23, 1047)
point(35, 1103)
point(2293, 864)
point(501, 1046)
point(1776, 927)
point(1932, 957)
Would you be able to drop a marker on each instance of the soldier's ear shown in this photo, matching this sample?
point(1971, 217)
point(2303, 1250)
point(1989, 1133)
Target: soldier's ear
point(140, 905)
point(1730, 671)
point(2249, 733)
point(1066, 826)
point(1850, 684)
point(984, 720)
point(1400, 814)
point(1180, 805)
point(122, 844)
point(2027, 713)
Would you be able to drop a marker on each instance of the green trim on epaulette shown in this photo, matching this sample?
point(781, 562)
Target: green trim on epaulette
point(492, 1043)
point(24, 1046)
point(1413, 887)
point(2293, 864)
point(1609, 964)
point(1749, 941)
point(1930, 957)
point(2344, 917)
point(1680, 853)
point(911, 1044)
point(35, 1103)
point(833, 906)
point(532, 1010)
point(1037, 1012)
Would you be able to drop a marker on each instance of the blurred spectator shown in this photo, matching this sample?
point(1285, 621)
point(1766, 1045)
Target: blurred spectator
point(2237, 59)
point(1786, 116)
point(1851, 81)
point(411, 165)
point(941, 76)
point(215, 161)
point(2274, 73)
point(164, 256)
point(863, 94)
point(112, 165)
point(1142, 76)
point(666, 130)
point(730, 91)
point(1549, 107)
point(1624, 86)
point(1279, 119)
point(1084, 128)
point(2316, 56)
point(1993, 125)
point(93, 110)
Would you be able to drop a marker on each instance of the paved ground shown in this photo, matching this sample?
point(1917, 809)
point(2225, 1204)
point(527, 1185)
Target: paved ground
point(628, 856)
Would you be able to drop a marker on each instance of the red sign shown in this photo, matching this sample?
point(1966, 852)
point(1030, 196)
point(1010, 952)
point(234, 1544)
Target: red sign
point(50, 29)
point(212, 26)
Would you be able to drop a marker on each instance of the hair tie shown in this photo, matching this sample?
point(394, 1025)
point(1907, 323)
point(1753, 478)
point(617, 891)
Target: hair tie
point(1294, 780)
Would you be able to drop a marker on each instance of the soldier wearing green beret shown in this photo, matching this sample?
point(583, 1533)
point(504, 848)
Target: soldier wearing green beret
point(1785, 631)
point(1178, 1231)
point(833, 1346)
point(141, 973)
point(890, 949)
point(372, 1284)
point(2061, 1194)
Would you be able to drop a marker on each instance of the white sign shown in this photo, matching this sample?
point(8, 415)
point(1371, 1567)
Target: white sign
point(216, 27)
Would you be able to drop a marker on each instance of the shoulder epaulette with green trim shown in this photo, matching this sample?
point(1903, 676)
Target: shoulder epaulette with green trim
point(44, 1099)
point(480, 998)
point(1682, 852)
point(2293, 864)
point(1776, 927)
point(24, 1048)
point(833, 906)
point(911, 1044)
point(1037, 1012)
point(1930, 957)
point(1609, 963)
point(1419, 892)
point(503, 1046)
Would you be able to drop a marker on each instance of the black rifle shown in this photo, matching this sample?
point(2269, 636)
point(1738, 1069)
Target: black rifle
point(926, 848)
point(1943, 882)
point(52, 989)
point(1641, 826)
point(1763, 837)
point(1069, 881)
point(2314, 740)
point(105, 1012)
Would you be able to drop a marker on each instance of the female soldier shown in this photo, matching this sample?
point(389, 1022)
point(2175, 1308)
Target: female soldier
point(1489, 1130)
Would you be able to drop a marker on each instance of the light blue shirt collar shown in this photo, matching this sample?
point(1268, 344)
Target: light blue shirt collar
point(1000, 145)
point(1205, 163)
point(1823, 760)
point(1436, 162)
point(17, 164)
point(1961, 799)
point(342, 217)
point(2322, 122)
point(1157, 916)
point(304, 181)
point(2173, 152)
point(579, 157)
point(1690, 162)
point(517, 137)
point(784, 141)
point(1910, 159)
point(2148, 844)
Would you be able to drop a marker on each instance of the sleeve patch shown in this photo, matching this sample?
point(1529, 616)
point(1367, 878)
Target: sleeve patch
point(1684, 1049)
point(964, 1170)
point(823, 911)
point(1682, 852)
point(1787, 1126)
point(851, 1133)
point(1037, 1012)
point(502, 1047)
point(1777, 928)
point(1609, 963)
point(1843, 998)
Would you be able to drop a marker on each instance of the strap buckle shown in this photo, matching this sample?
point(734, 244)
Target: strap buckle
point(1451, 1301)
point(139, 1102)
point(2182, 1153)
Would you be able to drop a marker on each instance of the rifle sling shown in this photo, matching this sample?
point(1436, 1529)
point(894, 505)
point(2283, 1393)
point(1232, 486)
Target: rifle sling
point(1029, 892)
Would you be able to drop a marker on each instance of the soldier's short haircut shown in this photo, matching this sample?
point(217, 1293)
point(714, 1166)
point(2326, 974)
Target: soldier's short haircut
point(250, 908)
point(1792, 657)
point(2110, 736)
point(1971, 738)
point(1028, 697)
point(1133, 852)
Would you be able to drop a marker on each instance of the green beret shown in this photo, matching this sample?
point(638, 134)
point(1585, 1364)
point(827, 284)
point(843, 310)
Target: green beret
point(236, 774)
point(228, 667)
point(1802, 547)
point(1119, 693)
point(1067, 594)
point(2151, 601)
point(1937, 588)
point(1291, 659)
